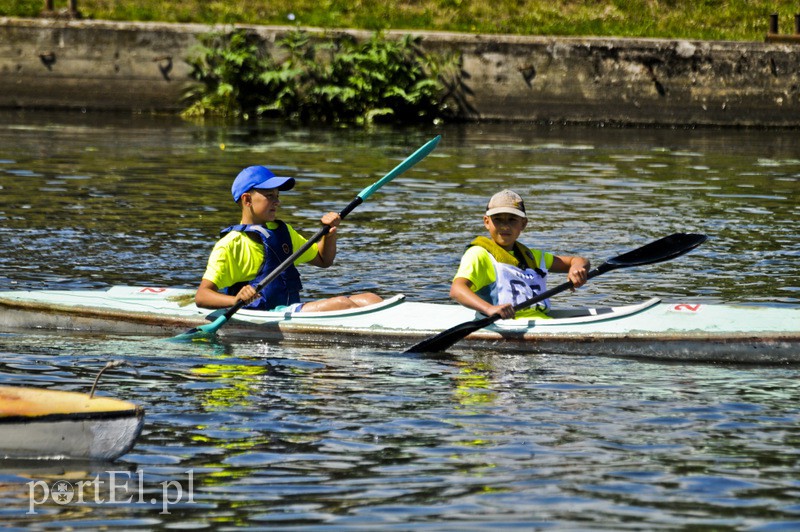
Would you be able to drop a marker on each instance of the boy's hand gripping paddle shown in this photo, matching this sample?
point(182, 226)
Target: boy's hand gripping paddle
point(666, 248)
point(411, 160)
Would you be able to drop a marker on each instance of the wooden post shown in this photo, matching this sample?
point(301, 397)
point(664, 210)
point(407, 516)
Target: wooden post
point(70, 12)
point(773, 23)
point(788, 38)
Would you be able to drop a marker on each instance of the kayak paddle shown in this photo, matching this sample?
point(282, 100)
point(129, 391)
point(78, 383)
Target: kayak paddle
point(661, 250)
point(411, 160)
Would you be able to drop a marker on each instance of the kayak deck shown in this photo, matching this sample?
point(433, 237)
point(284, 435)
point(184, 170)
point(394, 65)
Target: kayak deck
point(31, 403)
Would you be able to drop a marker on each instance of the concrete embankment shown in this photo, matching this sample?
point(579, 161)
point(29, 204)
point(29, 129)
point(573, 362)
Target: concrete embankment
point(141, 67)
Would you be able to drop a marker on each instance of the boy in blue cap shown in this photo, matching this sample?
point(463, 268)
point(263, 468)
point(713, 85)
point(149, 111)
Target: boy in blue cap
point(249, 251)
point(499, 272)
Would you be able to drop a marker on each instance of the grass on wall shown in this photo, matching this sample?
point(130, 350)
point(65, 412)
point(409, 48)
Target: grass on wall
point(742, 20)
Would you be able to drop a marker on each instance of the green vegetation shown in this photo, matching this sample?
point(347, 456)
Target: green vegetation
point(335, 80)
point(745, 20)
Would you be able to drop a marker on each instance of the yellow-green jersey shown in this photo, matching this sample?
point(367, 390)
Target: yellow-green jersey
point(480, 267)
point(236, 257)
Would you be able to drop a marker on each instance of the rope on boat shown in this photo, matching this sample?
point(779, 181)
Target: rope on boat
point(110, 365)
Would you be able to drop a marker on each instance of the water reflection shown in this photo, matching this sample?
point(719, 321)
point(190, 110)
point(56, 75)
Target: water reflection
point(121, 200)
point(342, 437)
point(330, 437)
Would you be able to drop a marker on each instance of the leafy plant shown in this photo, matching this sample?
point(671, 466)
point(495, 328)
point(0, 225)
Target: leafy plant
point(336, 80)
point(228, 67)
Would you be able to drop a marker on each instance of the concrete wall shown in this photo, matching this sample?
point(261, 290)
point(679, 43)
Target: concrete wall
point(140, 66)
point(93, 65)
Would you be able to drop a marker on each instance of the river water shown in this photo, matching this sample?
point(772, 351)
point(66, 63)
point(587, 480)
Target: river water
point(334, 438)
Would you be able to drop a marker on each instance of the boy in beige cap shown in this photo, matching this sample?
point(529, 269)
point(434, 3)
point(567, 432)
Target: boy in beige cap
point(497, 273)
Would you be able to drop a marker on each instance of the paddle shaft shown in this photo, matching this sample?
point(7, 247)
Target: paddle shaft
point(603, 268)
point(661, 250)
point(407, 163)
point(324, 230)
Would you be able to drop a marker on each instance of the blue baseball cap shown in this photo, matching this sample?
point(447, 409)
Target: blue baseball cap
point(258, 177)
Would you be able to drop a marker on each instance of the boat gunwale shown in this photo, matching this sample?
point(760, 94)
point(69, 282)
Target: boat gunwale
point(163, 321)
point(135, 412)
point(615, 313)
point(387, 303)
point(271, 328)
point(779, 346)
point(80, 311)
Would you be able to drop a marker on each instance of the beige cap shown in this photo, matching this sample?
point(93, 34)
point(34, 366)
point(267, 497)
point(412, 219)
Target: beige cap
point(506, 201)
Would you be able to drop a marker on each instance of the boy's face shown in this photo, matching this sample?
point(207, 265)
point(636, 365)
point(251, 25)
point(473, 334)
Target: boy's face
point(505, 228)
point(262, 204)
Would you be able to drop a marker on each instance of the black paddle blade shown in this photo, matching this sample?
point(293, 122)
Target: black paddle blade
point(661, 250)
point(445, 339)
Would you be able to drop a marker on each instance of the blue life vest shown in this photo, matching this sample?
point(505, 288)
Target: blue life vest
point(285, 288)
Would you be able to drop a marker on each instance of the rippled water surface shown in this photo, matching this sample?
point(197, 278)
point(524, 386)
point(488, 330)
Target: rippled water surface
point(314, 437)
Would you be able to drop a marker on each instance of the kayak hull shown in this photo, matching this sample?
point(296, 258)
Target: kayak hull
point(50, 424)
point(670, 331)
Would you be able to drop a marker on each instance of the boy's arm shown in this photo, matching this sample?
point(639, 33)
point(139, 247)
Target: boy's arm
point(461, 291)
point(209, 296)
point(576, 268)
point(326, 247)
point(218, 268)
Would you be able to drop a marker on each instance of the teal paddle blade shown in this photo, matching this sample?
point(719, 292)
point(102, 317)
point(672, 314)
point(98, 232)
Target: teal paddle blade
point(203, 331)
point(411, 160)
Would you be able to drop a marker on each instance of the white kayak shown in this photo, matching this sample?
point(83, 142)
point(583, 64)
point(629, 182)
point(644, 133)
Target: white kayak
point(49, 424)
point(650, 329)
